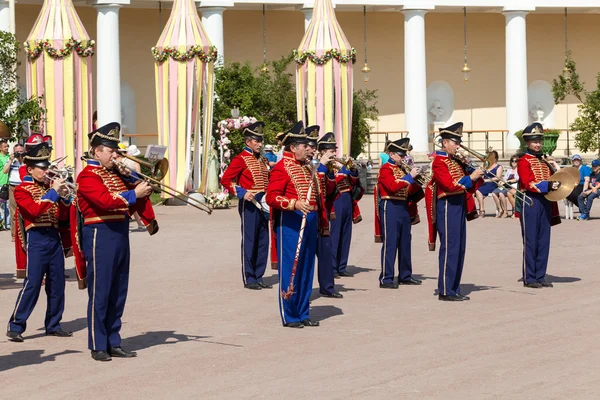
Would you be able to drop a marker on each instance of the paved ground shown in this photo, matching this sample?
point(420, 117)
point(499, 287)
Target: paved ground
point(199, 334)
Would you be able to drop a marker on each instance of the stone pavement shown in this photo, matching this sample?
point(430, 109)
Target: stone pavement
point(200, 335)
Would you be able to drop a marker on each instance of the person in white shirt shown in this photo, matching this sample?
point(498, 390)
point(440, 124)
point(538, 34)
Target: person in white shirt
point(14, 179)
point(503, 194)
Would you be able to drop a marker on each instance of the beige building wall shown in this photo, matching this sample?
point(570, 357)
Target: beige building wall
point(480, 104)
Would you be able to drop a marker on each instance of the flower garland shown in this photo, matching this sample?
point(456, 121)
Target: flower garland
point(84, 48)
point(218, 199)
point(336, 54)
point(194, 51)
point(224, 127)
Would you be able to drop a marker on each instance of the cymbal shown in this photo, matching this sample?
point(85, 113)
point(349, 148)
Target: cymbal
point(567, 184)
point(4, 131)
point(573, 171)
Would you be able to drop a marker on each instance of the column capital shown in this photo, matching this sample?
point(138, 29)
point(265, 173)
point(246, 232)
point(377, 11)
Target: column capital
point(422, 6)
point(109, 3)
point(517, 10)
point(218, 5)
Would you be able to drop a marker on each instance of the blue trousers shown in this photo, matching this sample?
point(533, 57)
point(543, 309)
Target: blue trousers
point(44, 257)
point(255, 242)
point(585, 203)
point(535, 229)
point(451, 222)
point(287, 226)
point(325, 268)
point(397, 237)
point(341, 231)
point(106, 251)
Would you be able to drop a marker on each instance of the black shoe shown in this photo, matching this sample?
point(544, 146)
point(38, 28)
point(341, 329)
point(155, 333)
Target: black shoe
point(294, 325)
point(334, 295)
point(390, 285)
point(546, 284)
point(451, 298)
point(60, 333)
point(15, 336)
point(411, 281)
point(308, 322)
point(533, 285)
point(253, 286)
point(463, 296)
point(346, 274)
point(336, 276)
point(101, 355)
point(265, 285)
point(120, 352)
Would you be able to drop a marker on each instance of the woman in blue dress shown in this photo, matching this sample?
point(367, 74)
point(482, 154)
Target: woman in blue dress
point(492, 176)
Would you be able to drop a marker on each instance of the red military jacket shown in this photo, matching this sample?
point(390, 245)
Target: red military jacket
point(246, 173)
point(394, 184)
point(290, 180)
point(535, 179)
point(38, 206)
point(449, 178)
point(104, 196)
point(347, 181)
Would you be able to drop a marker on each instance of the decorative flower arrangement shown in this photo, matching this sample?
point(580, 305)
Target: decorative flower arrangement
point(218, 199)
point(336, 54)
point(194, 51)
point(224, 127)
point(84, 48)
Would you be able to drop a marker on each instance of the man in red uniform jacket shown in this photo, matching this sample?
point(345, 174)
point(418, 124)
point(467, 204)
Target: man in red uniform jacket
point(247, 177)
point(40, 210)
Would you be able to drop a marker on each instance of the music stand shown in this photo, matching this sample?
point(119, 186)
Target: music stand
point(155, 152)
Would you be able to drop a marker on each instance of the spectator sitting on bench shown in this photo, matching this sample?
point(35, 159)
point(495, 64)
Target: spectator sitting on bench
point(584, 174)
point(503, 194)
point(586, 198)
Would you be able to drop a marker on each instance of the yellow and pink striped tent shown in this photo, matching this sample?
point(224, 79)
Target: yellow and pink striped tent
point(324, 77)
point(59, 68)
point(184, 73)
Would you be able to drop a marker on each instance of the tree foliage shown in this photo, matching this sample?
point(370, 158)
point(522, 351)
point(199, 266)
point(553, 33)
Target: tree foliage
point(587, 123)
point(15, 111)
point(271, 97)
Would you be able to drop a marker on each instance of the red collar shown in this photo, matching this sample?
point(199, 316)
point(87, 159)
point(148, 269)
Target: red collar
point(290, 156)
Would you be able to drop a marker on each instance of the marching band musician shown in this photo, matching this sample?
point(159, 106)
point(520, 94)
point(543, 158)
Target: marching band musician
point(393, 216)
point(452, 186)
point(106, 197)
point(536, 218)
point(295, 200)
point(345, 213)
point(327, 184)
point(247, 177)
point(273, 252)
point(41, 208)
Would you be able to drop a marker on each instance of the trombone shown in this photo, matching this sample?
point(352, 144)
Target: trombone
point(159, 170)
point(487, 161)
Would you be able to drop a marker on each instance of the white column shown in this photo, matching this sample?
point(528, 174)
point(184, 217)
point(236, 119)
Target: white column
point(4, 16)
point(108, 71)
point(516, 76)
point(415, 80)
point(308, 13)
point(212, 19)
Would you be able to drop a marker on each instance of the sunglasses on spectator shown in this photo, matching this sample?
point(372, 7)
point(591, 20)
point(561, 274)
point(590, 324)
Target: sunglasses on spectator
point(19, 154)
point(514, 161)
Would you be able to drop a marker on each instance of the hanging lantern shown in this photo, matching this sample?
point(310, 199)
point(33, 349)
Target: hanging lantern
point(365, 70)
point(264, 68)
point(465, 70)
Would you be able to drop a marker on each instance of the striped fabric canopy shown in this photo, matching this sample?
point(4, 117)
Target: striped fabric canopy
point(59, 68)
point(324, 77)
point(184, 73)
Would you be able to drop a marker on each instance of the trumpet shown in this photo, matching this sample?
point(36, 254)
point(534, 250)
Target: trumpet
point(66, 173)
point(487, 161)
point(158, 172)
point(422, 179)
point(346, 162)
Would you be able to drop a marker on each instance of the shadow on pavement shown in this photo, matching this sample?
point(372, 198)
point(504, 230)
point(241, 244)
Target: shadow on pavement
point(423, 277)
point(320, 313)
point(562, 279)
point(9, 281)
point(353, 269)
point(76, 325)
point(272, 280)
point(29, 357)
point(159, 338)
point(466, 288)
